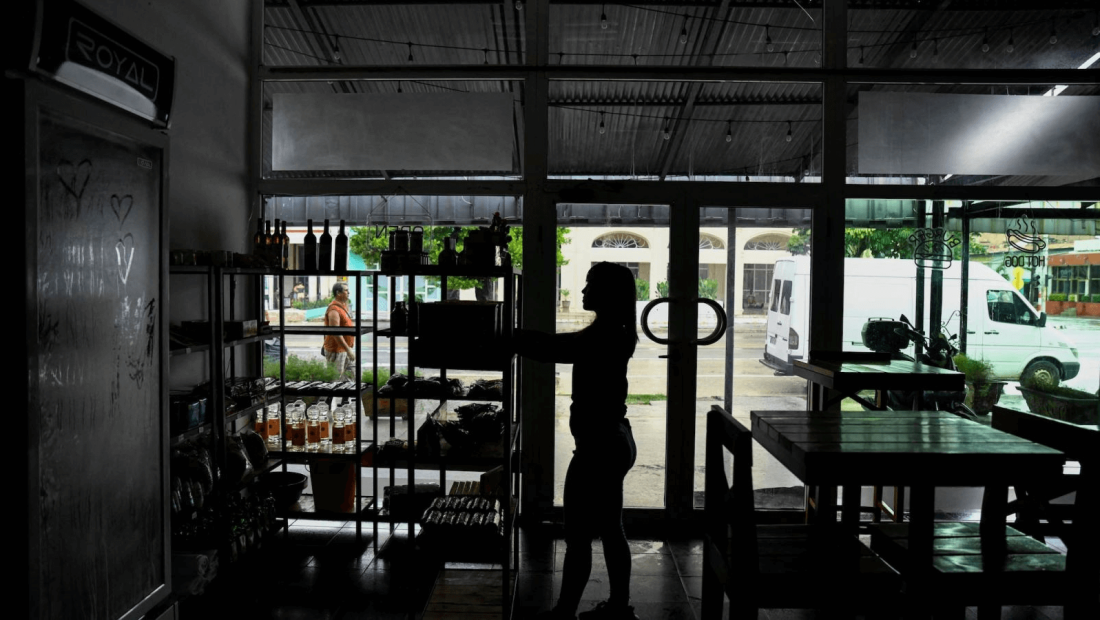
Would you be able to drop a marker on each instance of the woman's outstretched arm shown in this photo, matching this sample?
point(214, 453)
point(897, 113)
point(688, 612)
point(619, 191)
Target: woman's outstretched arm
point(562, 348)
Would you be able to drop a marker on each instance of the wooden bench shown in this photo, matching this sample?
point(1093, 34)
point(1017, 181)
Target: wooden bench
point(776, 566)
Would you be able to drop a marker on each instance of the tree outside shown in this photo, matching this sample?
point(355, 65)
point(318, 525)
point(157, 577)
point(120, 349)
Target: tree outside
point(876, 243)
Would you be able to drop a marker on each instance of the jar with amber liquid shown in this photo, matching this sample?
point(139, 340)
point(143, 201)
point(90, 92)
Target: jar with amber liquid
point(313, 428)
point(351, 425)
point(325, 422)
point(295, 431)
point(337, 440)
point(274, 427)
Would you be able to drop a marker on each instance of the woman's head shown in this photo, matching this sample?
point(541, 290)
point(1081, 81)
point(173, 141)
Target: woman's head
point(610, 293)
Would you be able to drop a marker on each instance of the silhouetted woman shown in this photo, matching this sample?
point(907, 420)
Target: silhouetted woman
point(605, 448)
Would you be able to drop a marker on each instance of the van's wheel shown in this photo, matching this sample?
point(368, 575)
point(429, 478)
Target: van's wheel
point(1043, 372)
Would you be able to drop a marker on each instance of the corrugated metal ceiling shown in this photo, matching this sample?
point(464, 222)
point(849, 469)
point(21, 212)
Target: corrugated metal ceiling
point(881, 33)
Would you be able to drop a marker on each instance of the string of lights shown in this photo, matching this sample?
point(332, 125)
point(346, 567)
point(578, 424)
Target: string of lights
point(915, 40)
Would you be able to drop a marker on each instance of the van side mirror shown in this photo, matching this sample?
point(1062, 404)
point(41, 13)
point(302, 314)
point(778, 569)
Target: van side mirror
point(1042, 322)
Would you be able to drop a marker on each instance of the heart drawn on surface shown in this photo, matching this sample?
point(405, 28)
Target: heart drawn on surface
point(121, 207)
point(74, 177)
point(124, 249)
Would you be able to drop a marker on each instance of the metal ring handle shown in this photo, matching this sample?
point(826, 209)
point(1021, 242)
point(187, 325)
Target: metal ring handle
point(645, 320)
point(720, 328)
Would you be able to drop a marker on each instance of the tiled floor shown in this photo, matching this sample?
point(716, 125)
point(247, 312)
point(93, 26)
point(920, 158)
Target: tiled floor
point(320, 572)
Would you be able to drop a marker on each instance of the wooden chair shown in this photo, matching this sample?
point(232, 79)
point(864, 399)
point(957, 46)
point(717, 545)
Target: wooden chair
point(1011, 567)
point(777, 566)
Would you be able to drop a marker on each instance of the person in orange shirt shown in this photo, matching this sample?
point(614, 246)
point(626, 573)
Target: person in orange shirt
point(340, 350)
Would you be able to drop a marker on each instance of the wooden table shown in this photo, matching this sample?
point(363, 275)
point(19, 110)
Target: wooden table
point(919, 449)
point(850, 372)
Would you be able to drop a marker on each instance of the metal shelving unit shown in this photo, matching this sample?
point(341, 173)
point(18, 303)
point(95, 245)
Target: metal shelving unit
point(496, 362)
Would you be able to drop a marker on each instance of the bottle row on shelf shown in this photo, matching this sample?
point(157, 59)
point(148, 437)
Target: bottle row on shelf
point(311, 428)
point(320, 255)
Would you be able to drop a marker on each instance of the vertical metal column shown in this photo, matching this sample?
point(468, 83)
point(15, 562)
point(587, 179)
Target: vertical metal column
point(731, 281)
point(935, 312)
point(539, 264)
point(827, 257)
point(964, 281)
point(683, 331)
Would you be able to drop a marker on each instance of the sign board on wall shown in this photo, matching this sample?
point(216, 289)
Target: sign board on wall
point(429, 131)
point(935, 133)
point(79, 48)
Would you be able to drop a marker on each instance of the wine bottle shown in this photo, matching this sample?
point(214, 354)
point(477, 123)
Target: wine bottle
point(258, 239)
point(285, 244)
point(311, 248)
point(269, 244)
point(341, 250)
point(324, 252)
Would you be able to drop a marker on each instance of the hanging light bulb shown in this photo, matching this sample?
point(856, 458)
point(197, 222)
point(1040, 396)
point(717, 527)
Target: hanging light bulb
point(1011, 47)
point(485, 55)
point(684, 33)
point(861, 54)
point(1053, 33)
point(410, 51)
point(768, 45)
point(985, 41)
point(789, 136)
point(667, 133)
point(913, 50)
point(1096, 25)
point(935, 47)
point(603, 129)
point(336, 50)
point(603, 19)
point(729, 132)
point(519, 5)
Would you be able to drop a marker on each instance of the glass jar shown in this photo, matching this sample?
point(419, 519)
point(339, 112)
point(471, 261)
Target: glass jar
point(295, 431)
point(323, 420)
point(338, 430)
point(274, 426)
point(313, 428)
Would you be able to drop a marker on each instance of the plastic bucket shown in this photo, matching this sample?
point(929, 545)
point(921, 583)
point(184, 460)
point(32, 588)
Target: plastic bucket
point(333, 485)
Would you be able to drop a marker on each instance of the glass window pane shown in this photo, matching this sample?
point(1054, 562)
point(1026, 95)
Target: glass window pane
point(677, 131)
point(948, 135)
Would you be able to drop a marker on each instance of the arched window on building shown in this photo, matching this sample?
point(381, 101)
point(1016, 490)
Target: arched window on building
point(620, 240)
point(710, 242)
point(768, 242)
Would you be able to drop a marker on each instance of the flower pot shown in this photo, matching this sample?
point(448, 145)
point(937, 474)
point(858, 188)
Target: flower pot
point(565, 305)
point(982, 396)
point(1084, 410)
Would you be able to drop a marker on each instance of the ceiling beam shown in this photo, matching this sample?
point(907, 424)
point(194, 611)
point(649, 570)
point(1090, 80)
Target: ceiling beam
point(708, 44)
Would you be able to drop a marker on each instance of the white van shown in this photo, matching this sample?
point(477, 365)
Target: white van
point(1002, 327)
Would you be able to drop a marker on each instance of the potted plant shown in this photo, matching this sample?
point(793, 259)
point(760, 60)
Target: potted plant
point(565, 300)
point(1062, 403)
point(1055, 303)
point(982, 390)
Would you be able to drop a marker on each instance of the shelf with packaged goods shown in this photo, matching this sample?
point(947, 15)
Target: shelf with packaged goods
point(306, 508)
point(481, 458)
point(302, 457)
point(198, 348)
point(230, 418)
point(320, 330)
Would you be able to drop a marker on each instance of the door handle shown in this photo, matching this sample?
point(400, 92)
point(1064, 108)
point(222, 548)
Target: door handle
point(970, 331)
point(992, 332)
point(719, 329)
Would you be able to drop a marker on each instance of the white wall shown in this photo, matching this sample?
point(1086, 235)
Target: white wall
point(208, 167)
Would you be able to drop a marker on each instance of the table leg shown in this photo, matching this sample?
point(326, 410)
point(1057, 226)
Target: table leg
point(1083, 546)
point(992, 526)
point(825, 502)
point(919, 567)
point(849, 511)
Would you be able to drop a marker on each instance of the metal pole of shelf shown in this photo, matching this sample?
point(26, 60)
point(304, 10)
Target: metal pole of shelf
point(411, 403)
point(358, 465)
point(374, 405)
point(217, 374)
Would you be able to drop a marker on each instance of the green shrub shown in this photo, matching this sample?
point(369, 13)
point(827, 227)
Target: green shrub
point(1094, 299)
point(662, 288)
point(317, 369)
point(976, 370)
point(1059, 390)
point(1057, 297)
point(708, 289)
point(309, 305)
point(1072, 298)
point(641, 287)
